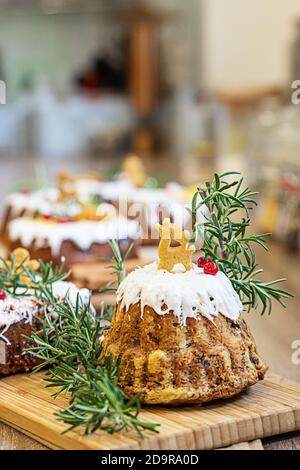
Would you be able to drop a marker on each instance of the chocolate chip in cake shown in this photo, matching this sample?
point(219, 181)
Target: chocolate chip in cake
point(205, 363)
point(253, 359)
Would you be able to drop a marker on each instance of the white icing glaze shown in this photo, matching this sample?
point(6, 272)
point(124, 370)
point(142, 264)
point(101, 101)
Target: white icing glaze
point(132, 202)
point(187, 294)
point(178, 268)
point(16, 309)
point(83, 233)
point(109, 190)
point(152, 198)
point(41, 201)
point(63, 289)
point(46, 200)
point(113, 190)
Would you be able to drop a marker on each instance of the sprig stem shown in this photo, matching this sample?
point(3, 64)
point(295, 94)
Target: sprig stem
point(225, 207)
point(12, 274)
point(69, 345)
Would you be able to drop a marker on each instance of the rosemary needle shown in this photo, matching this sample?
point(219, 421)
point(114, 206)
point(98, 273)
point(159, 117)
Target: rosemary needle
point(69, 345)
point(227, 242)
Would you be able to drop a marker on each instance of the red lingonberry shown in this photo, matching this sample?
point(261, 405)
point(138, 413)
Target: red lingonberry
point(210, 268)
point(202, 261)
point(2, 295)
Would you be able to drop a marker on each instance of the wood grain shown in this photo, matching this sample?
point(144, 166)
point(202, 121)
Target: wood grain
point(252, 445)
point(269, 408)
point(12, 439)
point(289, 441)
point(273, 335)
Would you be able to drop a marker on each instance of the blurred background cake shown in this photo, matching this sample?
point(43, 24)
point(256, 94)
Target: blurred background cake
point(22, 312)
point(73, 240)
point(130, 194)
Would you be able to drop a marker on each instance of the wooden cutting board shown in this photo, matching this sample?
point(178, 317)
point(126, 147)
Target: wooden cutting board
point(266, 409)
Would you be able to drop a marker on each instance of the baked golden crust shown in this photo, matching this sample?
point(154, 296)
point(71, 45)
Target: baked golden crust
point(172, 364)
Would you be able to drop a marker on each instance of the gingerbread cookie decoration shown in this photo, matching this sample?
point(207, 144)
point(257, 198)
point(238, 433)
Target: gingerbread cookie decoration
point(169, 255)
point(66, 185)
point(134, 168)
point(19, 261)
point(92, 213)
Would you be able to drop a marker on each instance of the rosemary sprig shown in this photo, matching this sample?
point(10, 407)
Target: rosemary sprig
point(12, 274)
point(70, 345)
point(117, 265)
point(227, 242)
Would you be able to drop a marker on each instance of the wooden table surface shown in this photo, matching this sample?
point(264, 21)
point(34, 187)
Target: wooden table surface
point(274, 336)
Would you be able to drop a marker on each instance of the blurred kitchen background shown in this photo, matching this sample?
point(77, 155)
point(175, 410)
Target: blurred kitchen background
point(192, 87)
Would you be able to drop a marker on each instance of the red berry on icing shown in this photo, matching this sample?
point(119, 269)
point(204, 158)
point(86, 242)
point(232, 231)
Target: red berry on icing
point(46, 216)
point(202, 261)
point(25, 192)
point(210, 268)
point(2, 295)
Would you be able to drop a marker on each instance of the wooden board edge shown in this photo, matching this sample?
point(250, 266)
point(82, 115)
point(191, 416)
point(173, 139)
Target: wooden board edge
point(31, 436)
point(247, 432)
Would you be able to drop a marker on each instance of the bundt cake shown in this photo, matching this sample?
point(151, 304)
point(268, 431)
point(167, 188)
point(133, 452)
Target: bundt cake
point(178, 333)
point(65, 200)
point(76, 240)
point(21, 314)
point(147, 206)
point(26, 203)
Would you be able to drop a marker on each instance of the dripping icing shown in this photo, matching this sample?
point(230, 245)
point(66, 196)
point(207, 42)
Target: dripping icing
point(187, 294)
point(31, 232)
point(15, 309)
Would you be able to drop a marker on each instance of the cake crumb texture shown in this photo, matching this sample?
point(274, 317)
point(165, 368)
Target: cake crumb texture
point(169, 363)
